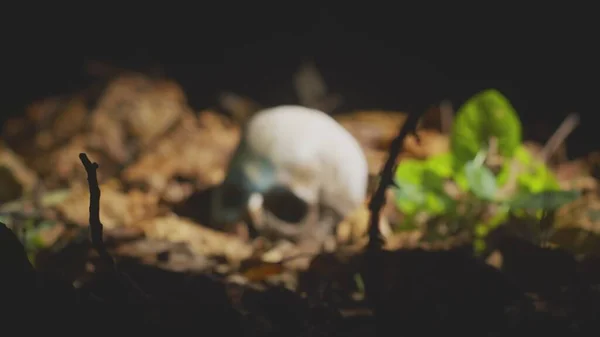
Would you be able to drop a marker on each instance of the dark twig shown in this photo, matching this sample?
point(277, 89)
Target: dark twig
point(387, 179)
point(96, 226)
point(374, 248)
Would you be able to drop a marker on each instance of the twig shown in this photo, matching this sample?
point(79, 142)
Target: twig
point(374, 247)
point(387, 173)
point(96, 226)
point(558, 137)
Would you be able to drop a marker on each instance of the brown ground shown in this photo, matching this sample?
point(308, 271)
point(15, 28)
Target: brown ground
point(158, 161)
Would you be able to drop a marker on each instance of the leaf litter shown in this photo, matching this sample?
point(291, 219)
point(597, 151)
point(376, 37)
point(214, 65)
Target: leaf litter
point(158, 161)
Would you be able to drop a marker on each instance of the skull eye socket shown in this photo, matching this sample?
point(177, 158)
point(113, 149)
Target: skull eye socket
point(285, 205)
point(232, 196)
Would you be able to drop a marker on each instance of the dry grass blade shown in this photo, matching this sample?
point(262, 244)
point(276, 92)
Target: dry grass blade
point(559, 136)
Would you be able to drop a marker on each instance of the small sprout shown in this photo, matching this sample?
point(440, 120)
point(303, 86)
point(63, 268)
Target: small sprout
point(460, 190)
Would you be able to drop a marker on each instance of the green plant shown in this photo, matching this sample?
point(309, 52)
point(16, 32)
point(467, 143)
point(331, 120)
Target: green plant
point(486, 177)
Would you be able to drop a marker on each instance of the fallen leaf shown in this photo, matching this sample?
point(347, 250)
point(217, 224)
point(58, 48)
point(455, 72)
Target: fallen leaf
point(257, 270)
point(117, 208)
point(198, 149)
point(17, 179)
point(201, 240)
point(373, 128)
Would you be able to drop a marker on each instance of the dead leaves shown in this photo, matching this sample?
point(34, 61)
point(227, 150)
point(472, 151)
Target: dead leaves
point(375, 130)
point(198, 149)
point(201, 240)
point(154, 152)
point(16, 178)
point(259, 270)
point(133, 111)
point(117, 207)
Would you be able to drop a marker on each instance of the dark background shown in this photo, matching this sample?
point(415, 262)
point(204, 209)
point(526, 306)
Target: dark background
point(384, 58)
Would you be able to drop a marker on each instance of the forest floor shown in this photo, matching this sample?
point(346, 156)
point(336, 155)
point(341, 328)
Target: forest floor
point(158, 163)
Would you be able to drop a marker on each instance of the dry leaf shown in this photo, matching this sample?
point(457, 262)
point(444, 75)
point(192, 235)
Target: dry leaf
point(117, 208)
point(201, 240)
point(373, 129)
point(257, 270)
point(198, 153)
point(135, 109)
point(17, 178)
point(430, 143)
point(354, 228)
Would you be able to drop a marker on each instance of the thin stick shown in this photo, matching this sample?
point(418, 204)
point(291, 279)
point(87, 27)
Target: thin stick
point(374, 280)
point(387, 179)
point(558, 137)
point(96, 227)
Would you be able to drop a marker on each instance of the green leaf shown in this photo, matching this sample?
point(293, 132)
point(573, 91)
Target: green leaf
point(437, 203)
point(545, 200)
point(420, 188)
point(482, 181)
point(409, 197)
point(410, 171)
point(482, 229)
point(409, 179)
point(460, 178)
point(484, 115)
point(534, 176)
point(432, 181)
point(441, 164)
point(538, 179)
point(523, 158)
